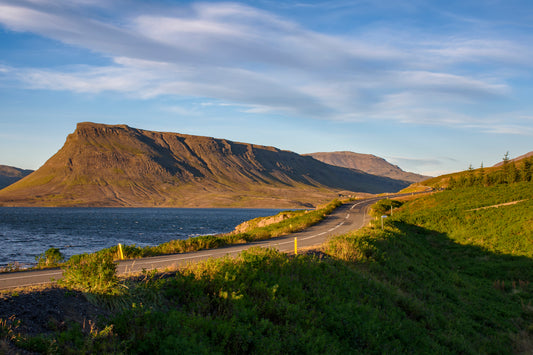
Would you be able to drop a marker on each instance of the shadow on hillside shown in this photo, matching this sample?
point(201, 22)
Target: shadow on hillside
point(435, 247)
point(483, 298)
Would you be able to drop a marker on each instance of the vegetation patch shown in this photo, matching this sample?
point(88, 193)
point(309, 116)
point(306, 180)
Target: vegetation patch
point(298, 220)
point(508, 172)
point(384, 207)
point(50, 258)
point(460, 213)
point(418, 286)
point(294, 221)
point(93, 273)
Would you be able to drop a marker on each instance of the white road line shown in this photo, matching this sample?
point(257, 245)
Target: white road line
point(146, 262)
point(168, 259)
point(337, 226)
point(291, 241)
point(30, 284)
point(59, 273)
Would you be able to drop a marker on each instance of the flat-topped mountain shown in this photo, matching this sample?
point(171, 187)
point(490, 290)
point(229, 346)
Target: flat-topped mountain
point(116, 165)
point(368, 163)
point(10, 174)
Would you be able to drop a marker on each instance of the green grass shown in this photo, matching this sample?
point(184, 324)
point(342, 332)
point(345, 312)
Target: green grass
point(91, 273)
point(460, 214)
point(442, 277)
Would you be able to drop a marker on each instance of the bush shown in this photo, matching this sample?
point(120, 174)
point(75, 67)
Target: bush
point(50, 258)
point(94, 273)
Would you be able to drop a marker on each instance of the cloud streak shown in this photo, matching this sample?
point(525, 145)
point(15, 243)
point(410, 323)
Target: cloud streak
point(245, 56)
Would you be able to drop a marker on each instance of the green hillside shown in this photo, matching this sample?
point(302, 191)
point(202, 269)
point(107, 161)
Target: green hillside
point(507, 172)
point(451, 272)
point(497, 218)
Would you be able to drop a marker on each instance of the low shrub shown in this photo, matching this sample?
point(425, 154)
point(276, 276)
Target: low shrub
point(383, 207)
point(50, 258)
point(95, 273)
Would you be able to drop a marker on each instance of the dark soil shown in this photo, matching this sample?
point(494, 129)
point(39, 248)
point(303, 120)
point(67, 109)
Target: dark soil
point(44, 310)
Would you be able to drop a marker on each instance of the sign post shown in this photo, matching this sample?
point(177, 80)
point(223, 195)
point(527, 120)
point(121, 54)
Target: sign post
point(382, 218)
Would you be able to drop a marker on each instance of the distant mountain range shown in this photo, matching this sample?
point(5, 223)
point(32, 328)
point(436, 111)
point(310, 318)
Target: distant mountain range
point(116, 165)
point(10, 175)
point(368, 163)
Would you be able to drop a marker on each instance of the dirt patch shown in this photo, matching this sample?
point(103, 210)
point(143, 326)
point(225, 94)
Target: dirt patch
point(261, 222)
point(499, 205)
point(48, 309)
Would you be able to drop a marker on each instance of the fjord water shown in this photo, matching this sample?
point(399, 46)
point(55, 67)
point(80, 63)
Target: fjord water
point(26, 232)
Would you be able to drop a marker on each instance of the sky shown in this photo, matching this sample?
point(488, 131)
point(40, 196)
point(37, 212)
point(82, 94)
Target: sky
point(432, 86)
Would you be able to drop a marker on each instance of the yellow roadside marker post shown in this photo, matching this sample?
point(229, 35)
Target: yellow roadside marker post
point(295, 246)
point(120, 253)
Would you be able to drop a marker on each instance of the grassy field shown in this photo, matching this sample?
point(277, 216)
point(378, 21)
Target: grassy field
point(464, 273)
point(445, 275)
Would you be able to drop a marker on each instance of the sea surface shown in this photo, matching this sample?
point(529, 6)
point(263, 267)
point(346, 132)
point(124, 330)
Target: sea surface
point(26, 232)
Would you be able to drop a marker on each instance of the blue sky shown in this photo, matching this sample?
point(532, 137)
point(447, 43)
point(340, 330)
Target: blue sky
point(432, 86)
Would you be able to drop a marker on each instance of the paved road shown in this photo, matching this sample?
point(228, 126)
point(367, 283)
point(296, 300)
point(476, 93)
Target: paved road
point(348, 217)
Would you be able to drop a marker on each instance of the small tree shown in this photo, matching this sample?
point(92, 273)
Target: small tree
point(504, 176)
point(527, 169)
point(481, 175)
point(506, 158)
point(452, 183)
point(471, 178)
point(461, 182)
point(513, 174)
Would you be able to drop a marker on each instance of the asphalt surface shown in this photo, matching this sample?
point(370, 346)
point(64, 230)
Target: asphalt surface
point(346, 218)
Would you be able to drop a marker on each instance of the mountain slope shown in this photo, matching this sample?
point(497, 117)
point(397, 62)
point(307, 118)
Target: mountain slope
point(517, 159)
point(10, 174)
point(104, 165)
point(368, 163)
point(516, 170)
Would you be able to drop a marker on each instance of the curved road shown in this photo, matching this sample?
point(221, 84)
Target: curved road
point(348, 217)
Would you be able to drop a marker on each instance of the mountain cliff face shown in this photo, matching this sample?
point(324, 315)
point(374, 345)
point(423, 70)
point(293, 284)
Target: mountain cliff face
point(10, 174)
point(116, 165)
point(368, 163)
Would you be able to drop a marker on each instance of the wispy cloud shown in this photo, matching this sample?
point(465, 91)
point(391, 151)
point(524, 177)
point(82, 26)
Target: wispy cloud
point(521, 130)
point(245, 56)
